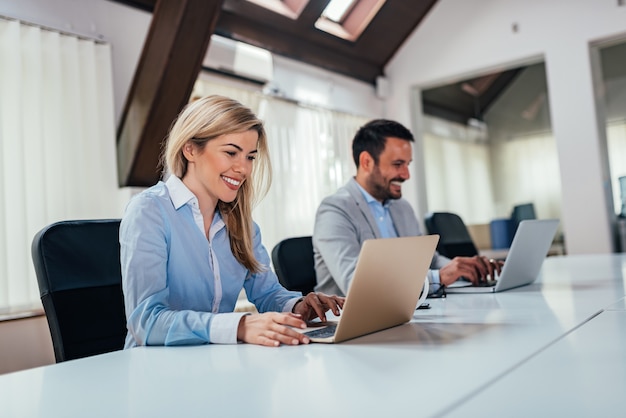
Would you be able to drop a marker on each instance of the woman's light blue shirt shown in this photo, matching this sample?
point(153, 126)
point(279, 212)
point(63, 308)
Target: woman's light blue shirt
point(180, 287)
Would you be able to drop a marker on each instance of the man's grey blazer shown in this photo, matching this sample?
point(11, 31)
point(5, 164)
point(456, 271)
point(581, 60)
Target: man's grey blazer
point(342, 222)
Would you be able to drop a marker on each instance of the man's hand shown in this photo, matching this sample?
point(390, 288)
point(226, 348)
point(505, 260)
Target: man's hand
point(475, 269)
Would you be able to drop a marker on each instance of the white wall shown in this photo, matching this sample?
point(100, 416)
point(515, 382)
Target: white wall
point(465, 38)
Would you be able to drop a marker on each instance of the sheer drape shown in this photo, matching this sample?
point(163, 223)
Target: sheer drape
point(310, 148)
point(57, 144)
point(526, 169)
point(311, 152)
point(481, 180)
point(458, 178)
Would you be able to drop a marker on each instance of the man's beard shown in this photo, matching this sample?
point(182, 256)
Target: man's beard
point(379, 187)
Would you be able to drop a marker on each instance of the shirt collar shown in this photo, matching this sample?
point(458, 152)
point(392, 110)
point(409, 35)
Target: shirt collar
point(370, 199)
point(179, 193)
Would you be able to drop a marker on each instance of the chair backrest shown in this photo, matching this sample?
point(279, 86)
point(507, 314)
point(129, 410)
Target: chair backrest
point(521, 213)
point(455, 239)
point(294, 265)
point(77, 264)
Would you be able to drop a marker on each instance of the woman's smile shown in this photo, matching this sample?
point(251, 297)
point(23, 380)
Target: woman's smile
point(232, 183)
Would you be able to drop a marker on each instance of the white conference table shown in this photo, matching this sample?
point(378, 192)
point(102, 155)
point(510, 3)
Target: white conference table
point(556, 347)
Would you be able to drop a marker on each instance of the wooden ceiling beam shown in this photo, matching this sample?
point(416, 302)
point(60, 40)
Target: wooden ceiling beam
point(177, 41)
point(387, 31)
point(272, 38)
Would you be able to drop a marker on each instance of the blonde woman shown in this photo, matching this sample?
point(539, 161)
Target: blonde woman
point(189, 244)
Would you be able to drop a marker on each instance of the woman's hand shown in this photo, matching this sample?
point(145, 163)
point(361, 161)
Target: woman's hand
point(315, 305)
point(271, 329)
point(275, 328)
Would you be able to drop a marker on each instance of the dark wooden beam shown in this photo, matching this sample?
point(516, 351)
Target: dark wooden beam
point(278, 40)
point(363, 59)
point(297, 39)
point(388, 30)
point(171, 59)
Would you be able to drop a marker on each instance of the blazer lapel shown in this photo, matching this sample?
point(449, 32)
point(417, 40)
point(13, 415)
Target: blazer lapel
point(363, 207)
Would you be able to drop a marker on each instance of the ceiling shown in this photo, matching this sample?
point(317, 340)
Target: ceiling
point(180, 34)
point(298, 39)
point(177, 41)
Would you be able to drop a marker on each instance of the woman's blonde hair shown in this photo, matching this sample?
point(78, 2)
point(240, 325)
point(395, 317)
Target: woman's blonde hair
point(208, 118)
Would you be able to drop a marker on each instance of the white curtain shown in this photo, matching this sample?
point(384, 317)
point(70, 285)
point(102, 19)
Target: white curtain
point(526, 169)
point(311, 152)
point(482, 178)
point(458, 170)
point(57, 144)
point(458, 178)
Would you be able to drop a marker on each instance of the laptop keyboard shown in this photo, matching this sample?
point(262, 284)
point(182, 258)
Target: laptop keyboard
point(325, 332)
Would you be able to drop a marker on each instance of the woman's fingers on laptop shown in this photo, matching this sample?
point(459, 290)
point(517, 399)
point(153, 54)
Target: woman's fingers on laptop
point(316, 304)
point(306, 308)
point(271, 329)
point(328, 302)
point(332, 302)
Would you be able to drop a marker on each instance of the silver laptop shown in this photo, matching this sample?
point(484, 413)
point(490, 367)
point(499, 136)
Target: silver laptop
point(523, 261)
point(386, 286)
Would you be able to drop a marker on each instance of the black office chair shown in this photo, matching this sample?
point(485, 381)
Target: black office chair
point(455, 239)
point(80, 282)
point(294, 265)
point(521, 213)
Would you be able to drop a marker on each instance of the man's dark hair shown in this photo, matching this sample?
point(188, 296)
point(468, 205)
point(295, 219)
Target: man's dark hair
point(372, 137)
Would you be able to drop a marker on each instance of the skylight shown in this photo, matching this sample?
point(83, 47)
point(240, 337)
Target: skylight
point(347, 19)
point(336, 10)
point(288, 8)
